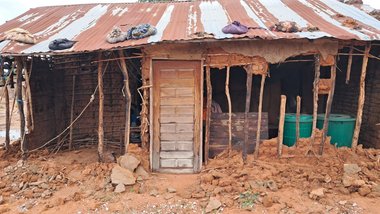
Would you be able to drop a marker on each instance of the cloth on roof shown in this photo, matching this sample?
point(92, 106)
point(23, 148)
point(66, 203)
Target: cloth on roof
point(141, 31)
point(61, 44)
point(235, 28)
point(20, 35)
point(116, 35)
point(286, 27)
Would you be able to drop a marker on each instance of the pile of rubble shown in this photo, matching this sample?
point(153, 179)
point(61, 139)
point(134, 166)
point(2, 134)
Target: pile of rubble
point(127, 172)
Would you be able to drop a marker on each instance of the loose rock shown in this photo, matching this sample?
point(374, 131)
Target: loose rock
point(171, 190)
point(317, 193)
point(351, 169)
point(267, 201)
point(129, 162)
point(119, 188)
point(120, 175)
point(213, 204)
point(363, 191)
point(140, 171)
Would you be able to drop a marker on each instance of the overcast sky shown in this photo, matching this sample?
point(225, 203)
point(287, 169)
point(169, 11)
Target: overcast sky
point(12, 8)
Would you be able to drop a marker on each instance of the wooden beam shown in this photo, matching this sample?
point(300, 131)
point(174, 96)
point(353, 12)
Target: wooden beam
point(72, 113)
point(7, 117)
point(317, 70)
point(208, 113)
point(101, 110)
point(227, 90)
point(20, 104)
point(247, 106)
point(328, 108)
point(258, 133)
point(359, 115)
point(280, 136)
point(349, 64)
point(298, 115)
point(127, 130)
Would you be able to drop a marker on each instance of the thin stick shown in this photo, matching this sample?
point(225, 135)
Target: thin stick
point(127, 130)
point(20, 104)
point(258, 134)
point(72, 114)
point(361, 98)
point(349, 64)
point(101, 107)
point(247, 109)
point(208, 114)
point(298, 115)
point(280, 137)
point(317, 68)
point(227, 89)
point(7, 118)
point(328, 108)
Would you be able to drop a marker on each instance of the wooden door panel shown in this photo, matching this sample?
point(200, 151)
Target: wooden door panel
point(176, 115)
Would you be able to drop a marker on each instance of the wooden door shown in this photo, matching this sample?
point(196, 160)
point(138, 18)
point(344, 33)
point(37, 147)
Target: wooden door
point(176, 116)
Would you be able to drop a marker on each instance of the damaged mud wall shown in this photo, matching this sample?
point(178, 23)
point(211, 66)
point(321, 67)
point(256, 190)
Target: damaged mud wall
point(52, 91)
point(47, 102)
point(346, 96)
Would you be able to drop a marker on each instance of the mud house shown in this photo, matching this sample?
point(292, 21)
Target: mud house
point(190, 91)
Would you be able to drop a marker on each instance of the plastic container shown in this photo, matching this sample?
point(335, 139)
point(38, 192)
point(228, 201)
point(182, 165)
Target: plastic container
point(306, 123)
point(341, 128)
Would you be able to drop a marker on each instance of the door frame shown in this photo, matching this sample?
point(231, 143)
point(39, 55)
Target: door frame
point(155, 122)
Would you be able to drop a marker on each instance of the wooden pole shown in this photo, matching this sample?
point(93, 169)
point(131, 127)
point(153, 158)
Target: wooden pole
point(7, 117)
point(72, 111)
point(349, 64)
point(101, 110)
point(29, 96)
point(127, 129)
point(258, 133)
point(317, 68)
point(328, 108)
point(361, 98)
point(247, 106)
point(280, 137)
point(227, 90)
point(208, 113)
point(20, 104)
point(144, 114)
point(298, 115)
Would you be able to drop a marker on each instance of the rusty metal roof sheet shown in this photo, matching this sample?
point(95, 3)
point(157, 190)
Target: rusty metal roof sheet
point(90, 23)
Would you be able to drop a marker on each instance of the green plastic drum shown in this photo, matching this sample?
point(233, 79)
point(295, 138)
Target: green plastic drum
point(341, 128)
point(306, 123)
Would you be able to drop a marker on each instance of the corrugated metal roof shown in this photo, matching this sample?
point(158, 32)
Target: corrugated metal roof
point(89, 24)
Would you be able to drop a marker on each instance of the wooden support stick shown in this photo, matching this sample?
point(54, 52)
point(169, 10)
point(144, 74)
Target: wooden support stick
point(317, 68)
point(361, 98)
point(298, 115)
point(20, 104)
point(7, 118)
point(144, 113)
point(72, 113)
point(258, 133)
point(227, 89)
point(208, 113)
point(328, 108)
point(349, 64)
point(280, 136)
point(101, 110)
point(247, 106)
point(127, 129)
point(29, 94)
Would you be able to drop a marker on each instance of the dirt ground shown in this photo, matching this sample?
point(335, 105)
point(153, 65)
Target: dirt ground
point(74, 182)
point(340, 181)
